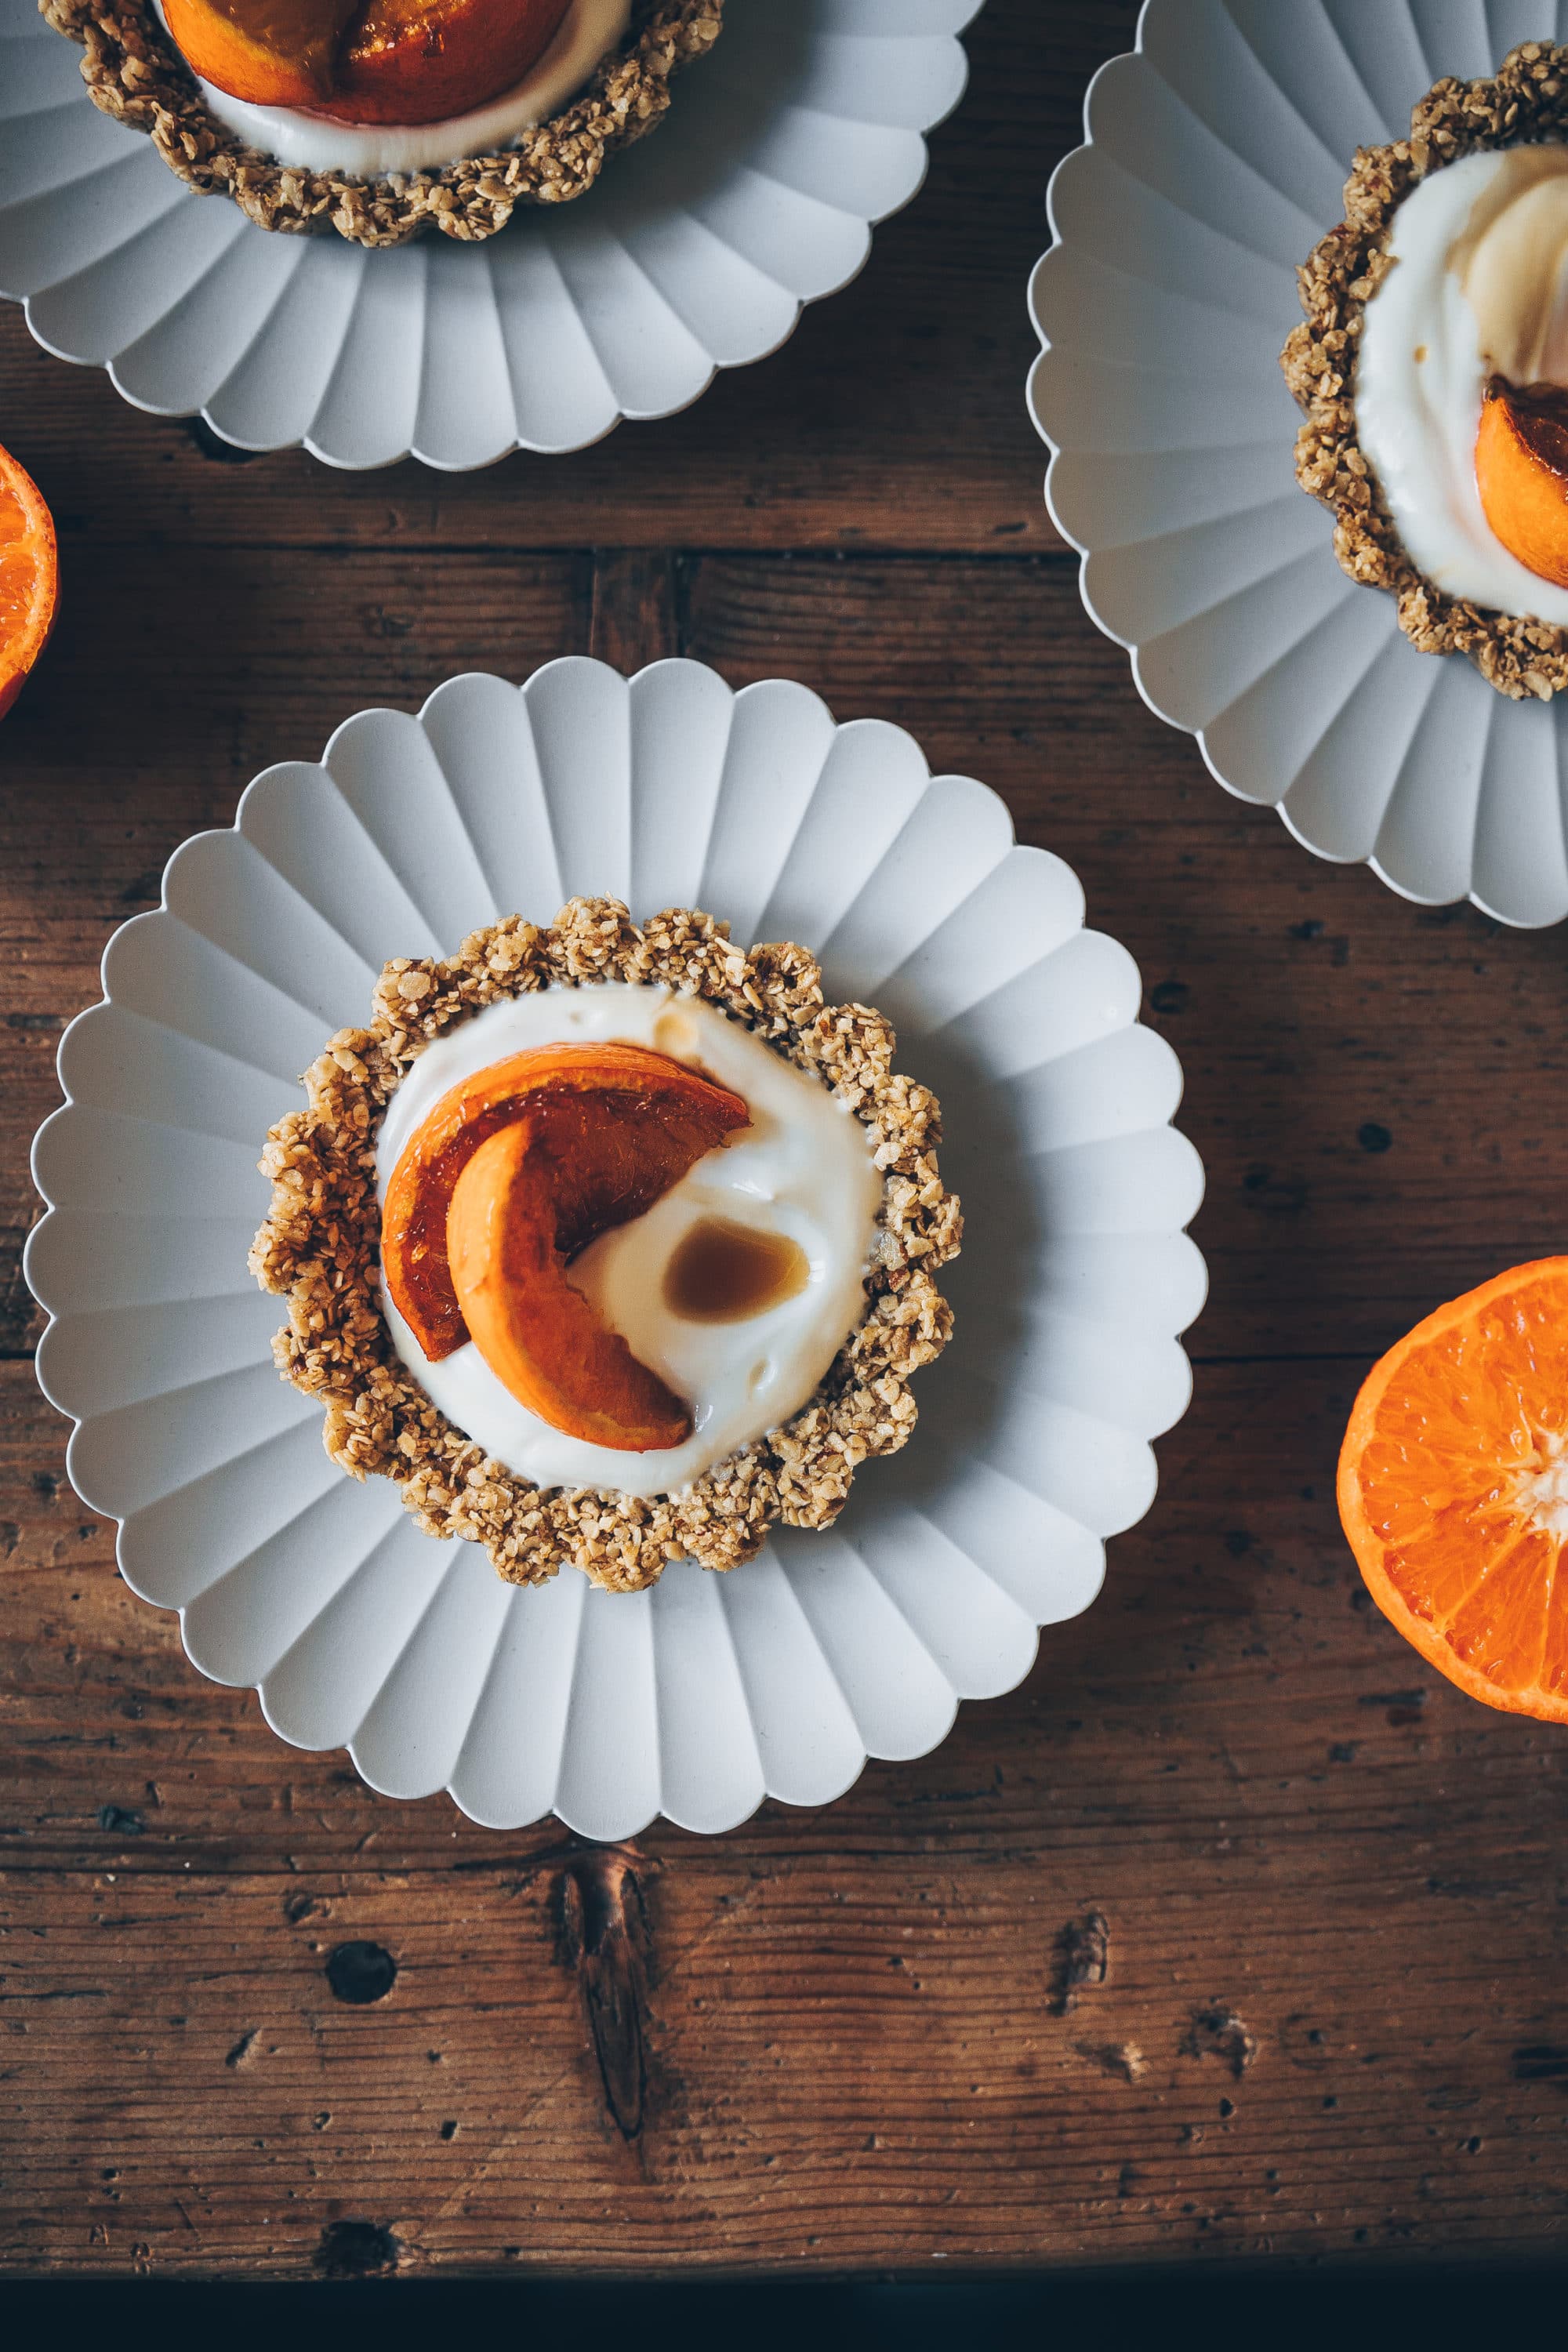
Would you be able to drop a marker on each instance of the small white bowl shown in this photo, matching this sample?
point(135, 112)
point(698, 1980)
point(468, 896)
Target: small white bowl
point(1217, 158)
point(697, 1698)
point(698, 251)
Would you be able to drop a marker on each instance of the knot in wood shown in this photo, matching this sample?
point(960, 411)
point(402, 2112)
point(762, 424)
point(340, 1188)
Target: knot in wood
point(360, 1973)
point(605, 1940)
point(358, 2249)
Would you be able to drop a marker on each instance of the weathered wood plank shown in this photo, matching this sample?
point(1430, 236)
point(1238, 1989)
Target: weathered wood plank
point(836, 2039)
point(895, 417)
point(1352, 1184)
point(1331, 2015)
point(1368, 1082)
point(140, 729)
point(911, 2103)
point(1236, 1603)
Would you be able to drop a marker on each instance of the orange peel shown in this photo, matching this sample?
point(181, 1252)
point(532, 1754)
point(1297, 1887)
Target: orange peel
point(1453, 1489)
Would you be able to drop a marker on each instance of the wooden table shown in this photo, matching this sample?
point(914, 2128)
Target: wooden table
point(1332, 2012)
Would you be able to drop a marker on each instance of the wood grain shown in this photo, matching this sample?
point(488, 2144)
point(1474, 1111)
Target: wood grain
point(837, 2043)
point(255, 2019)
point(893, 418)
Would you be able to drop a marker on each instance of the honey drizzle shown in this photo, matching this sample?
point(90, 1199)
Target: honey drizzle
point(727, 1273)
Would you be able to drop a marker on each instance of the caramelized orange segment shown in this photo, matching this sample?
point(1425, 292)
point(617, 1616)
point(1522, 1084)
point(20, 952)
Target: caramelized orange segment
point(267, 52)
point(422, 60)
point(657, 1118)
point(392, 61)
point(537, 1333)
point(1522, 472)
point(1453, 1489)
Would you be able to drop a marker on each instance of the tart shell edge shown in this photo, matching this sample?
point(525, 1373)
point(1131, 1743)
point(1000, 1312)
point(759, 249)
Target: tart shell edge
point(133, 73)
point(1525, 101)
point(320, 1248)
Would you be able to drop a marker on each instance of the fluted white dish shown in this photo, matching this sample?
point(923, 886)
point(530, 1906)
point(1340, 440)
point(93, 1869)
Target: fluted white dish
point(1217, 158)
point(696, 251)
point(697, 1698)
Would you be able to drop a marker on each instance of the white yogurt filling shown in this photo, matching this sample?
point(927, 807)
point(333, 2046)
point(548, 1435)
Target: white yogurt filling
point(1481, 250)
point(588, 31)
point(804, 1168)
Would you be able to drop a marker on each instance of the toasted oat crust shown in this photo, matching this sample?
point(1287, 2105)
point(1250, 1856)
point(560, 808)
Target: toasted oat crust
point(1525, 104)
point(320, 1248)
point(134, 72)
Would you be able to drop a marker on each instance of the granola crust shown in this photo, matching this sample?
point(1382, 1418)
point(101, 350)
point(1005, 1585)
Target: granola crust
point(134, 73)
point(320, 1248)
point(1525, 104)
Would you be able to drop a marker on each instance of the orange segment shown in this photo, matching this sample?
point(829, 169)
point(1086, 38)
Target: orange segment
point(397, 61)
point(1521, 473)
point(267, 52)
point(30, 577)
point(628, 1123)
point(1453, 1489)
point(537, 1333)
point(423, 60)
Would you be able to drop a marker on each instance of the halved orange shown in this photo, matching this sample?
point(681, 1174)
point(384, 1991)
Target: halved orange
point(30, 577)
point(1453, 1489)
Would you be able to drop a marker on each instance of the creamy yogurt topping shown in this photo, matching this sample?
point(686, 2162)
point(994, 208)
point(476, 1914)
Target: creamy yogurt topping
point(1479, 288)
point(289, 135)
point(804, 1168)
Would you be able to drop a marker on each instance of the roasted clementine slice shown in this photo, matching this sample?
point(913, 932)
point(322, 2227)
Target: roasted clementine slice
point(1522, 472)
point(619, 1125)
point(538, 1334)
point(267, 52)
point(394, 61)
point(1453, 1489)
point(424, 60)
point(30, 577)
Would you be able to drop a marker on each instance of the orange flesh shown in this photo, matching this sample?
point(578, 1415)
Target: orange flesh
point(268, 52)
point(536, 1332)
point(1522, 472)
point(599, 1134)
point(30, 577)
point(394, 61)
point(654, 1119)
point(1453, 1489)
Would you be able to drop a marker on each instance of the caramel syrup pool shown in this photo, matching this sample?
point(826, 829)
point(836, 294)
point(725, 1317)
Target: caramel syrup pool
point(725, 1273)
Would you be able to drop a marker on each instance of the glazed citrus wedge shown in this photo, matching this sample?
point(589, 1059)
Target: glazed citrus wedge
point(395, 61)
point(538, 1334)
point(1453, 1489)
point(512, 1173)
point(268, 52)
point(424, 60)
point(30, 577)
point(1521, 473)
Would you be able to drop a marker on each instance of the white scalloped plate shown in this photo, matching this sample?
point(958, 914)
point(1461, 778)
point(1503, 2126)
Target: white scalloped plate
point(698, 251)
point(710, 1692)
point(1216, 157)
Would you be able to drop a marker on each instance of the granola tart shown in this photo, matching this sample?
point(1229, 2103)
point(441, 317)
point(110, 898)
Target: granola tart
point(134, 73)
point(1521, 652)
point(320, 1248)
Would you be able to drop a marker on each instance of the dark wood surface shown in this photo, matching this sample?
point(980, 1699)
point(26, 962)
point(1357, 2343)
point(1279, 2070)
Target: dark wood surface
point(1316, 1900)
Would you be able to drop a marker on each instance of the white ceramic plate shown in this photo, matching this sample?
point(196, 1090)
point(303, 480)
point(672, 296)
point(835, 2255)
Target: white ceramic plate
point(1216, 159)
point(699, 1699)
point(696, 251)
